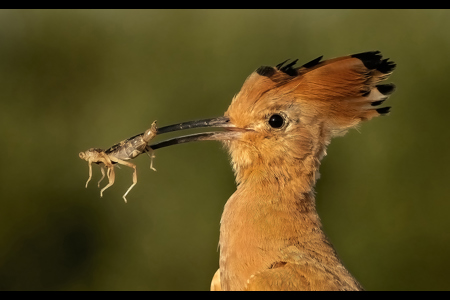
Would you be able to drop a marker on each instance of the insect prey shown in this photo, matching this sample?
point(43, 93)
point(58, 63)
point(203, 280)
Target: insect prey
point(120, 154)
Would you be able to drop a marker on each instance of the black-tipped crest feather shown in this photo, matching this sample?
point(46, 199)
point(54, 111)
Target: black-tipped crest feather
point(281, 64)
point(312, 63)
point(265, 71)
point(376, 103)
point(386, 89)
point(383, 110)
point(372, 60)
point(288, 69)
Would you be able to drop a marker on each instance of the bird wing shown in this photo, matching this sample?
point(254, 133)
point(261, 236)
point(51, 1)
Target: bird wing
point(297, 272)
point(287, 277)
point(215, 282)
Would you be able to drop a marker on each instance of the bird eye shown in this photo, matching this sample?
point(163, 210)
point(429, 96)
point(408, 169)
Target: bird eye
point(276, 121)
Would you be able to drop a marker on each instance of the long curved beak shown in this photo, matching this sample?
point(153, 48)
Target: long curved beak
point(230, 132)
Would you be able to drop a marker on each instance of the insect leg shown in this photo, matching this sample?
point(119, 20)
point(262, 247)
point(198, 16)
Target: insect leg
point(103, 175)
point(131, 165)
point(149, 150)
point(90, 172)
point(111, 177)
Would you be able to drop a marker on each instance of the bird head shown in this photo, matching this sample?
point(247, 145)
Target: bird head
point(282, 119)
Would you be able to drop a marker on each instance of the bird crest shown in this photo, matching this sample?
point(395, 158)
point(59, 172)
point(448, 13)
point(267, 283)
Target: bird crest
point(344, 91)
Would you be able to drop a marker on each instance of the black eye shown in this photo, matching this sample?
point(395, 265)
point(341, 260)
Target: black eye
point(276, 121)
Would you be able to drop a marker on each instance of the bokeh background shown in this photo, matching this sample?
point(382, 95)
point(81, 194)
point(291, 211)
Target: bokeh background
point(75, 79)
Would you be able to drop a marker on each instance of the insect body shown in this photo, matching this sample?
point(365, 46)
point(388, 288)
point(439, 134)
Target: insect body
point(120, 153)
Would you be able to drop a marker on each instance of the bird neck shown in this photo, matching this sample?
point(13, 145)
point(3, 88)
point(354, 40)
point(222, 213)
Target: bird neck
point(272, 209)
point(275, 182)
point(281, 207)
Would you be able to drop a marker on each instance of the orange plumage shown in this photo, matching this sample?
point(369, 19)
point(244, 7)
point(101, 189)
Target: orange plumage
point(271, 237)
point(277, 129)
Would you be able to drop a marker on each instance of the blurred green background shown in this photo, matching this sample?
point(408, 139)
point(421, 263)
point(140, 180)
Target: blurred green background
point(75, 79)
